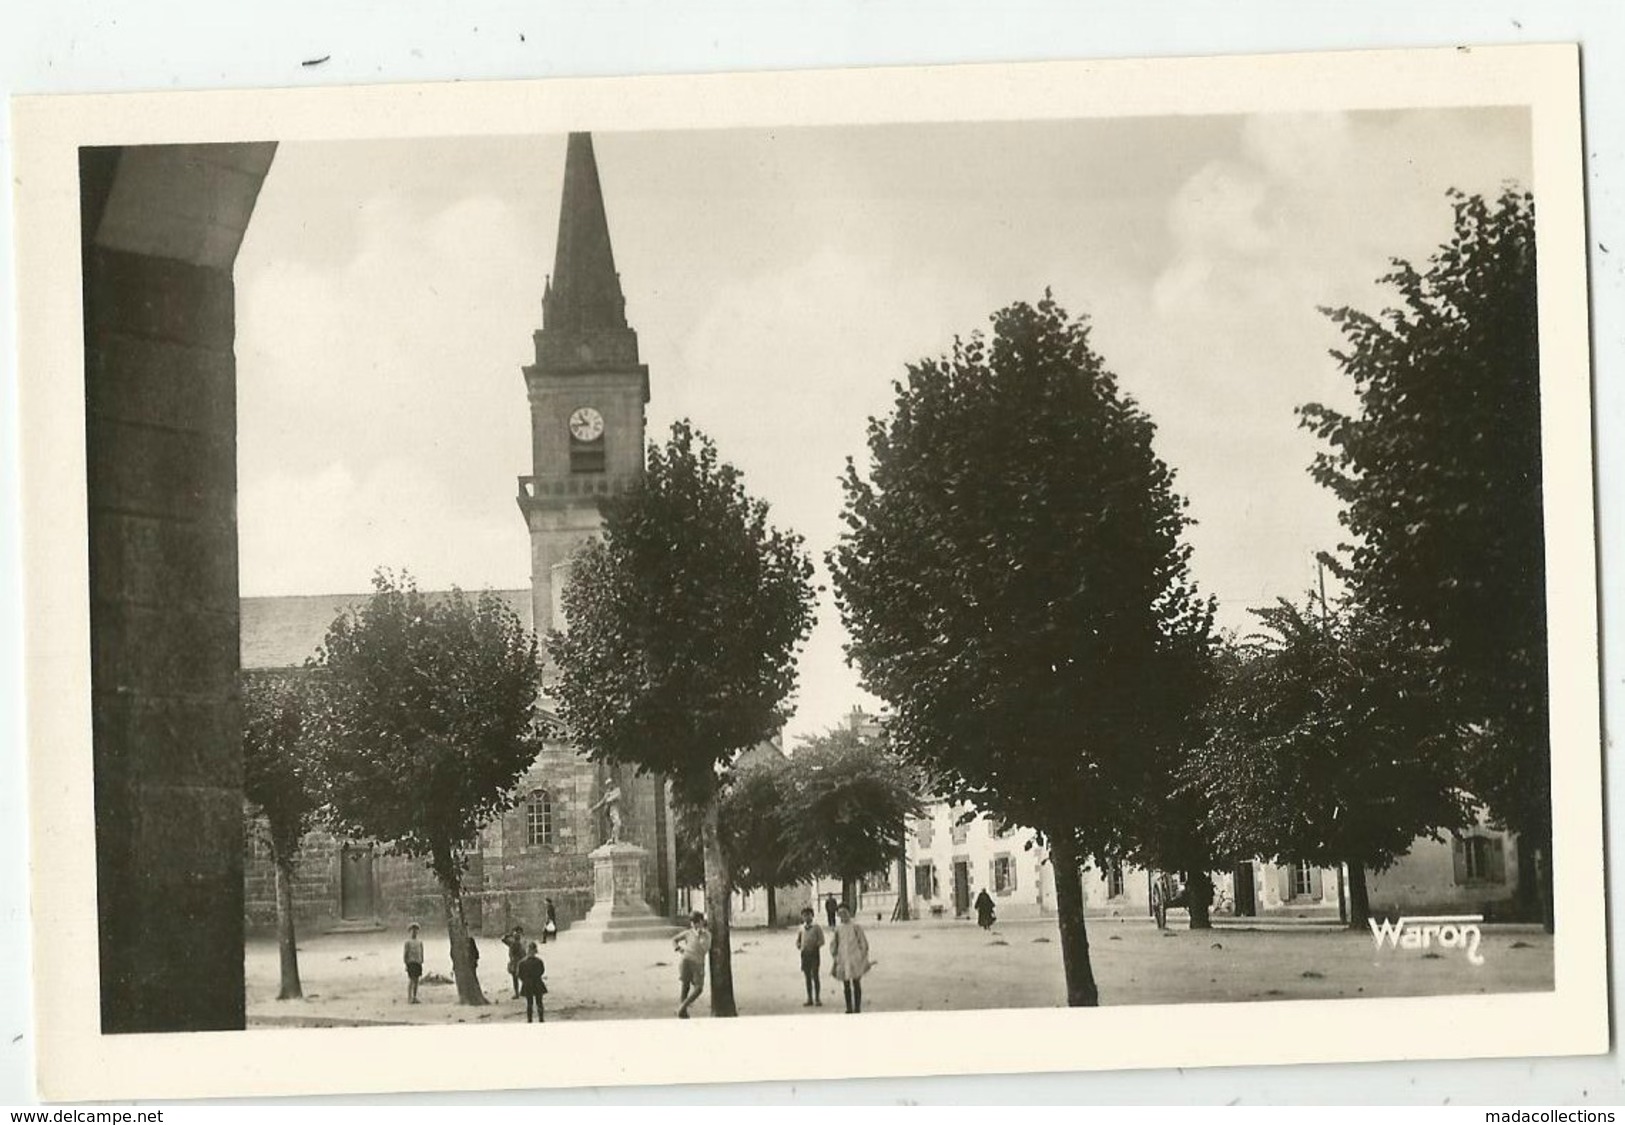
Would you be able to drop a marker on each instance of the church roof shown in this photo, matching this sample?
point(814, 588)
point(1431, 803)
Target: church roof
point(284, 632)
point(585, 290)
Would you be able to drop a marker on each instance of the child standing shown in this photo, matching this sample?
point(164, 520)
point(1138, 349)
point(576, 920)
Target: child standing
point(412, 954)
point(849, 959)
point(514, 939)
point(531, 985)
point(810, 940)
point(694, 946)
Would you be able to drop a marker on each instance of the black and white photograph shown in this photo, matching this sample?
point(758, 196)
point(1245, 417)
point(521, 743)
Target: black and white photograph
point(1117, 569)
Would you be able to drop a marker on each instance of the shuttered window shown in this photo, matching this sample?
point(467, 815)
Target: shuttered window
point(925, 880)
point(1480, 859)
point(1299, 880)
point(1114, 878)
point(1003, 875)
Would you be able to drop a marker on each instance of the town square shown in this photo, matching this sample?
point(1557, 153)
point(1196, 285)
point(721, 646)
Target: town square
point(865, 570)
point(603, 845)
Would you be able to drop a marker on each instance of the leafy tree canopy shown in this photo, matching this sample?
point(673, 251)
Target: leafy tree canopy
point(848, 802)
point(1323, 742)
point(280, 777)
point(1439, 473)
point(751, 813)
point(428, 728)
point(683, 622)
point(1013, 577)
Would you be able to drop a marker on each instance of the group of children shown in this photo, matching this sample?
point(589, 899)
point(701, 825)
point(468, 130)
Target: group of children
point(525, 966)
point(848, 953)
point(848, 957)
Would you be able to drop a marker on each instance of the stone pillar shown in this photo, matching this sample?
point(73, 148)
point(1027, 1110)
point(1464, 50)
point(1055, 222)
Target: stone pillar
point(161, 227)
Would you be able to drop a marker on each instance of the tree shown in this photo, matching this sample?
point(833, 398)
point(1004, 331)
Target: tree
point(849, 799)
point(281, 783)
point(683, 624)
point(431, 705)
point(755, 842)
point(1439, 474)
point(1324, 746)
point(750, 819)
point(1013, 578)
point(1172, 827)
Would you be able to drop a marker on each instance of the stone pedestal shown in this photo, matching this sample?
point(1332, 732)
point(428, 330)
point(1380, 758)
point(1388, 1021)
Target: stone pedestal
point(619, 911)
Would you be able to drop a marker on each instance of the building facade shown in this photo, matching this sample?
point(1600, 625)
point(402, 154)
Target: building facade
point(954, 851)
point(586, 391)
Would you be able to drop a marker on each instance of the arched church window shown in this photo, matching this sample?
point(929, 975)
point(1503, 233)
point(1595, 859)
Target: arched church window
point(539, 818)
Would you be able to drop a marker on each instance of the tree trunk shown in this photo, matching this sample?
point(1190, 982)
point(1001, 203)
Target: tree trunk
point(718, 892)
point(849, 894)
point(451, 903)
point(1359, 896)
point(1080, 978)
point(1199, 898)
point(901, 914)
point(772, 909)
point(287, 944)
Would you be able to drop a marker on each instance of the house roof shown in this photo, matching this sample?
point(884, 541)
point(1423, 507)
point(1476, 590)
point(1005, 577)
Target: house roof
point(284, 632)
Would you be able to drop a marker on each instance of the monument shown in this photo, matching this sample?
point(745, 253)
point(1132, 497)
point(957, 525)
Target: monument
point(619, 910)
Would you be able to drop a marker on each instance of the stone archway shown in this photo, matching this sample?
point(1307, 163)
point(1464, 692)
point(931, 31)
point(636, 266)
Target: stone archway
point(161, 226)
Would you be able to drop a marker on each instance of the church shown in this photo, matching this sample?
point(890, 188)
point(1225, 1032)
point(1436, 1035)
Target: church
point(587, 391)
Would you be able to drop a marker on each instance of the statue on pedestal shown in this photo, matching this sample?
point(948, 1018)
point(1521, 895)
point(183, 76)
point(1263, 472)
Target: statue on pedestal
point(610, 802)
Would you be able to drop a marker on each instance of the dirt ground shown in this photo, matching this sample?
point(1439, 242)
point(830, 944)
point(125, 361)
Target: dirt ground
point(356, 979)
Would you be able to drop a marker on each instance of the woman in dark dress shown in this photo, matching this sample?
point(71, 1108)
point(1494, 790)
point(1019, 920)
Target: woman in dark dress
point(984, 910)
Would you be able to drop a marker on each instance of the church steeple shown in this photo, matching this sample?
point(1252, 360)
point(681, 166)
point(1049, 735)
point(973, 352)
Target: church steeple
point(583, 311)
point(584, 293)
point(587, 388)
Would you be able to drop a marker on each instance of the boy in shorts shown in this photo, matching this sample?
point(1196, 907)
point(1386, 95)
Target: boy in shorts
point(810, 940)
point(694, 944)
point(412, 954)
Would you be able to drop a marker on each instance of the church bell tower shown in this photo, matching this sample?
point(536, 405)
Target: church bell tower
point(587, 390)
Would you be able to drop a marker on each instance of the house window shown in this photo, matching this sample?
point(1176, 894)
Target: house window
point(879, 881)
point(925, 880)
point(924, 830)
point(539, 818)
point(1482, 859)
point(1002, 830)
point(1004, 875)
point(1303, 880)
point(1114, 878)
point(961, 829)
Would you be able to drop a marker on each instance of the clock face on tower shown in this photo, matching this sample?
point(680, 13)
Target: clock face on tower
point(586, 424)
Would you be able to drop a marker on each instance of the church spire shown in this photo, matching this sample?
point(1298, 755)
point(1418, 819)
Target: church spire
point(584, 293)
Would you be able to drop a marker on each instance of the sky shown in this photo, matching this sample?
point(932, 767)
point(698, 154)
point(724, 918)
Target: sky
point(780, 281)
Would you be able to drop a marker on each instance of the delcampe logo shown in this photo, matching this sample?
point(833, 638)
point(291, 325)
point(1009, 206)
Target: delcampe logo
point(1448, 931)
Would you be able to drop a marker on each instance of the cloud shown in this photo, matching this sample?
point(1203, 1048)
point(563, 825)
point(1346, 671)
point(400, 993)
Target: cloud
point(374, 390)
point(327, 532)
